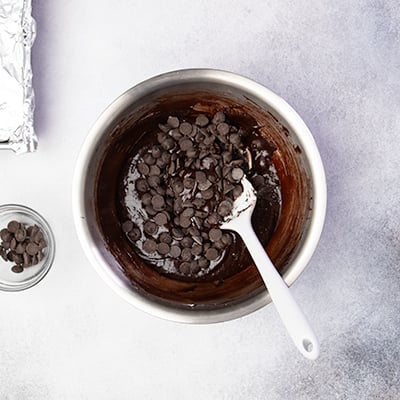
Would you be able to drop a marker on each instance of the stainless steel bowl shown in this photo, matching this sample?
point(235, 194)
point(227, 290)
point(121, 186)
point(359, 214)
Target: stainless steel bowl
point(137, 103)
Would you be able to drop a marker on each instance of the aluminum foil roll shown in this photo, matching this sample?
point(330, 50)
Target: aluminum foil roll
point(17, 33)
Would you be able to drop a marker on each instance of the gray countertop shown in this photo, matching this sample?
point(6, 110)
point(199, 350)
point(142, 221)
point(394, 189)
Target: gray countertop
point(338, 64)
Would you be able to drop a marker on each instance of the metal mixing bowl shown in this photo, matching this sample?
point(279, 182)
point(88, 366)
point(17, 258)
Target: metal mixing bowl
point(298, 161)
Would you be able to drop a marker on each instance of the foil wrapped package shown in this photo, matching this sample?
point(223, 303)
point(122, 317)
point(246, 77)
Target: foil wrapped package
point(17, 33)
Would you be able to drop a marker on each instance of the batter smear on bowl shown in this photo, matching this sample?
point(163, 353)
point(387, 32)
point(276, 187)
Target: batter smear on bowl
point(180, 184)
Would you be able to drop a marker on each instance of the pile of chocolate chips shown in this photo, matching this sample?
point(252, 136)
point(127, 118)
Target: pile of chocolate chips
point(22, 245)
point(187, 183)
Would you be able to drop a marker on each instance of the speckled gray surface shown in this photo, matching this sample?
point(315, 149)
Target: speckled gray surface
point(338, 64)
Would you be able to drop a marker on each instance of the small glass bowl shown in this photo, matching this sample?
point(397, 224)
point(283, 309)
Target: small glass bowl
point(9, 280)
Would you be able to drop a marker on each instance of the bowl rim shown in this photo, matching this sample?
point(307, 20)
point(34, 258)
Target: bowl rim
point(317, 175)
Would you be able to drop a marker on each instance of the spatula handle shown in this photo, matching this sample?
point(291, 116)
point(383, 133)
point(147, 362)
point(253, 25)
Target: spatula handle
point(292, 316)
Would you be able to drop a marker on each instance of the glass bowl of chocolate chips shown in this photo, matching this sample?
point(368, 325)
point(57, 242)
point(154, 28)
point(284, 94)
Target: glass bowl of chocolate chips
point(159, 173)
point(26, 247)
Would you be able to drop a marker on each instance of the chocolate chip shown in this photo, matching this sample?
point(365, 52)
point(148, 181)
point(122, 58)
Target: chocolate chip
point(256, 144)
point(207, 194)
point(198, 202)
point(213, 219)
point(32, 248)
point(164, 128)
point(188, 183)
point(184, 222)
point(199, 138)
point(176, 134)
point(149, 246)
point(204, 185)
point(198, 239)
point(163, 248)
point(5, 235)
point(197, 249)
point(127, 226)
point(203, 262)
point(209, 140)
point(202, 120)
point(26, 259)
point(223, 128)
point(234, 139)
point(173, 122)
point(225, 208)
point(3, 254)
point(154, 170)
point(35, 259)
point(215, 234)
point(150, 228)
point(166, 157)
point(175, 251)
point(160, 219)
point(134, 234)
point(37, 238)
point(150, 211)
point(160, 190)
point(13, 226)
point(187, 241)
point(40, 256)
point(177, 233)
point(149, 159)
point(201, 177)
point(192, 153)
point(201, 214)
point(143, 168)
point(177, 187)
point(141, 185)
point(219, 244)
point(186, 254)
point(204, 235)
point(188, 213)
point(155, 151)
point(171, 168)
point(165, 237)
point(185, 144)
point(42, 244)
point(10, 255)
point(185, 128)
point(237, 191)
point(212, 128)
point(168, 144)
point(218, 117)
point(226, 239)
point(184, 268)
point(158, 202)
point(13, 244)
point(146, 199)
point(20, 248)
point(212, 254)
point(257, 181)
point(237, 174)
point(153, 181)
point(17, 269)
point(194, 267)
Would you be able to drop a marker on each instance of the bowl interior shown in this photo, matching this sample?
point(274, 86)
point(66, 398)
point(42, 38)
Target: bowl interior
point(134, 115)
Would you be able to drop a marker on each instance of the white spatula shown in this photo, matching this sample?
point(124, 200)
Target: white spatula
point(289, 311)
